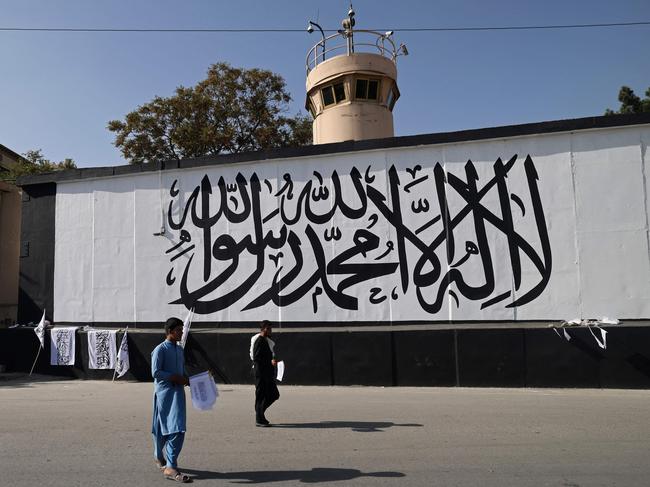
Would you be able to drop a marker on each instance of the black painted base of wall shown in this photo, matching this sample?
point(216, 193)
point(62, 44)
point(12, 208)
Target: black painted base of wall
point(515, 357)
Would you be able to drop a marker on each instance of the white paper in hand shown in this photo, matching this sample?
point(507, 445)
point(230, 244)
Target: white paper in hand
point(280, 370)
point(204, 391)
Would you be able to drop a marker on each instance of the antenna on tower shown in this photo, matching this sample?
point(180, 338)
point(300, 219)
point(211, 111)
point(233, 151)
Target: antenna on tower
point(347, 32)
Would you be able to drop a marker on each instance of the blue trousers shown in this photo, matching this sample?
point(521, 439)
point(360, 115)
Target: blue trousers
point(170, 444)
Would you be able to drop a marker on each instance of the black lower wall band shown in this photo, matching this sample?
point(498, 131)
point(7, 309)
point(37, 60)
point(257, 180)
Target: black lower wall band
point(485, 357)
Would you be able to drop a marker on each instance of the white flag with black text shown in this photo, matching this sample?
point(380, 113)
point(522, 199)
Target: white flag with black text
point(40, 330)
point(63, 342)
point(101, 349)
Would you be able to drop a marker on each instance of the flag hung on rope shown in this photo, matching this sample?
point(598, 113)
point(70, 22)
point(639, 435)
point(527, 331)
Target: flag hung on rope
point(122, 362)
point(102, 349)
point(186, 326)
point(40, 330)
point(62, 351)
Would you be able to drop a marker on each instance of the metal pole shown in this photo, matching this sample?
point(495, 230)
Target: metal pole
point(322, 42)
point(34, 364)
point(348, 30)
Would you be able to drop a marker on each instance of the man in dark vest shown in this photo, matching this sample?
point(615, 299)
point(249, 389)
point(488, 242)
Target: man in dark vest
point(264, 362)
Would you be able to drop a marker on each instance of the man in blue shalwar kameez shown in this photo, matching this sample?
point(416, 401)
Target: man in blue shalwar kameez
point(169, 418)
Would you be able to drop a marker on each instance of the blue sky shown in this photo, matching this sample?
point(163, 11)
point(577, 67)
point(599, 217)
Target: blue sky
point(59, 90)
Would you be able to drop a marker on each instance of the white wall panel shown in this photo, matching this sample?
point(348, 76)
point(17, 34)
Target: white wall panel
point(113, 241)
point(552, 160)
point(488, 268)
point(418, 200)
point(616, 283)
point(73, 253)
point(609, 181)
point(612, 224)
point(645, 156)
point(151, 263)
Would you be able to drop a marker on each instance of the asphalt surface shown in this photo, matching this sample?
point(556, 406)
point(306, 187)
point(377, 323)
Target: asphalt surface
point(97, 433)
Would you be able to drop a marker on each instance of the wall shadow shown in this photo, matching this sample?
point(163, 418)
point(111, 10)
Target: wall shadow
point(315, 475)
point(19, 379)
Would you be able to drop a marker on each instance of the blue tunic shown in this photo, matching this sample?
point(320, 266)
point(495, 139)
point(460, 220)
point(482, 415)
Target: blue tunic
point(169, 416)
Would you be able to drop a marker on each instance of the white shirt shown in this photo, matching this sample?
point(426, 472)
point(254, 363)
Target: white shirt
point(270, 342)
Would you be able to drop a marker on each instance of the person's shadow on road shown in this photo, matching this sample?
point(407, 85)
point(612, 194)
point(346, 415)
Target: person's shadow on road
point(312, 476)
point(360, 426)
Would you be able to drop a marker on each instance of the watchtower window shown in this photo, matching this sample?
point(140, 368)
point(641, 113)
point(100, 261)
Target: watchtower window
point(333, 94)
point(328, 96)
point(391, 99)
point(366, 89)
point(312, 110)
point(339, 92)
point(373, 88)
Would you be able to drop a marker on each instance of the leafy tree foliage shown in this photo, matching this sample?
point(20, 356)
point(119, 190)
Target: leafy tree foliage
point(630, 102)
point(232, 110)
point(33, 162)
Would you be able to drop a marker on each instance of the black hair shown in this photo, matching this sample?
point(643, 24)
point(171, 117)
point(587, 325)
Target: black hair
point(265, 324)
point(172, 323)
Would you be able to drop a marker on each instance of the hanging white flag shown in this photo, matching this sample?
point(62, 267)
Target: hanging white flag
point(603, 335)
point(40, 330)
point(186, 327)
point(122, 364)
point(63, 345)
point(101, 349)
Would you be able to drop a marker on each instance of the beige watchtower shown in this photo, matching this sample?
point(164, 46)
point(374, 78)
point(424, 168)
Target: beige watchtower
point(352, 83)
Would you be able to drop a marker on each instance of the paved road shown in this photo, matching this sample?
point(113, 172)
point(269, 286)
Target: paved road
point(93, 433)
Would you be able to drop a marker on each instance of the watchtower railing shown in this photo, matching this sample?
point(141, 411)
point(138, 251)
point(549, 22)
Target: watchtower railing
point(382, 45)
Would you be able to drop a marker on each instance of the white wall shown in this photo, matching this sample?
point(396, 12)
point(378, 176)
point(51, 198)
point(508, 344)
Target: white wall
point(588, 202)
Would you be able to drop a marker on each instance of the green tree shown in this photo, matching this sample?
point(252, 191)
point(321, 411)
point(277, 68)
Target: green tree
point(33, 162)
point(630, 102)
point(232, 110)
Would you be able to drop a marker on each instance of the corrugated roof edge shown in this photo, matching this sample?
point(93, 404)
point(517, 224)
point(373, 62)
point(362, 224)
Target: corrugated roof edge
point(348, 146)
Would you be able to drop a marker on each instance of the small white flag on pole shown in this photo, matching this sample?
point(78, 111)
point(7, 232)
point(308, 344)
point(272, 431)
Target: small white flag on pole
point(40, 333)
point(40, 330)
point(122, 364)
point(186, 326)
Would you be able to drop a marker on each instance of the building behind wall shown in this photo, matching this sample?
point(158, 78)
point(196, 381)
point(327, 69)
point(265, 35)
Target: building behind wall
point(9, 239)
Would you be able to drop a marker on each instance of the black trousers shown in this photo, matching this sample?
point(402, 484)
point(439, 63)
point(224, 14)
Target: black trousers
point(266, 393)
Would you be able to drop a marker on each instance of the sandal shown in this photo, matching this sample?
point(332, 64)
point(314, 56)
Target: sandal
point(160, 464)
point(177, 476)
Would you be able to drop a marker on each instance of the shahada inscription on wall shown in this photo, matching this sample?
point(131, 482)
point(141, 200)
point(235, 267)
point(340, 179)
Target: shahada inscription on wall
point(338, 239)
